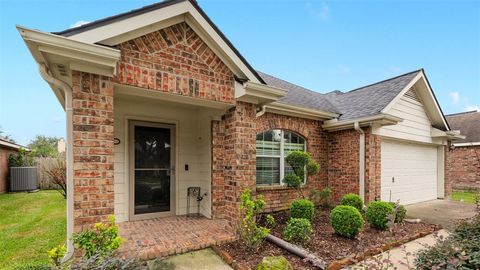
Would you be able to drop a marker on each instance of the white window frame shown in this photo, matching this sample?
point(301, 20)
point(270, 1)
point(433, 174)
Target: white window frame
point(282, 156)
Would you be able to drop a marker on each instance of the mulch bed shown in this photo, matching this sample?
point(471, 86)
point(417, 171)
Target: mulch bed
point(330, 247)
point(325, 244)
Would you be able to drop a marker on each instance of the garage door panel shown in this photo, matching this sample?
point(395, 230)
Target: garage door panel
point(414, 169)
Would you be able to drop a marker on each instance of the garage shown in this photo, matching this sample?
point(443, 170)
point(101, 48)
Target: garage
point(409, 172)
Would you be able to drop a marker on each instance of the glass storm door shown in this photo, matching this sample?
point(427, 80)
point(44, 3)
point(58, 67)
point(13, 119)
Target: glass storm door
point(152, 169)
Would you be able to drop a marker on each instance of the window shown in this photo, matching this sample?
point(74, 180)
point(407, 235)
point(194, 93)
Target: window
point(272, 148)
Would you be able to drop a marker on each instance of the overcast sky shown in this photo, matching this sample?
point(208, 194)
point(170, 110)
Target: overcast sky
point(321, 45)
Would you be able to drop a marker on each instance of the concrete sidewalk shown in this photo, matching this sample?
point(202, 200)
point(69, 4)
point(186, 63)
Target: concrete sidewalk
point(398, 256)
point(205, 259)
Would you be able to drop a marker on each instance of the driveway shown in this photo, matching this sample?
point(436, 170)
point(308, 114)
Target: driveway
point(441, 212)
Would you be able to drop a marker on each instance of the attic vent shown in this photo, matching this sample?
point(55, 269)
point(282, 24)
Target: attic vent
point(412, 94)
point(62, 69)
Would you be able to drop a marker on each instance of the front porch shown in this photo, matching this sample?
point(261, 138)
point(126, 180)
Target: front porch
point(160, 237)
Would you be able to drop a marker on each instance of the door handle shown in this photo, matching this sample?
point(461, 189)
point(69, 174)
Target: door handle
point(393, 179)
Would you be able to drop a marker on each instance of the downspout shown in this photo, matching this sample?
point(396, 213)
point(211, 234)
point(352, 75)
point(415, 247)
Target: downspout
point(361, 160)
point(262, 111)
point(69, 151)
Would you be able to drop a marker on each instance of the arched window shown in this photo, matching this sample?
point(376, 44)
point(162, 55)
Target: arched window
point(272, 148)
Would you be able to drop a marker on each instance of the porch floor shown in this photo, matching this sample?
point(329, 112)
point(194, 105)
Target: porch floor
point(160, 237)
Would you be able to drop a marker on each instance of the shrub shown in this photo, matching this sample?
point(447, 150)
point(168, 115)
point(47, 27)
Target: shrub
point(57, 171)
point(274, 263)
point(302, 208)
point(298, 230)
point(322, 197)
point(250, 232)
point(102, 240)
point(399, 211)
point(377, 214)
point(300, 161)
point(352, 200)
point(460, 250)
point(346, 221)
point(22, 158)
point(56, 255)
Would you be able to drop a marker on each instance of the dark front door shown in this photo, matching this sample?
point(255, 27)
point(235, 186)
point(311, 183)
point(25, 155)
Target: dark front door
point(152, 169)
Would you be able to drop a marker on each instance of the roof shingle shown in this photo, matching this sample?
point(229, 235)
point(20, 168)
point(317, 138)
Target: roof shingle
point(468, 123)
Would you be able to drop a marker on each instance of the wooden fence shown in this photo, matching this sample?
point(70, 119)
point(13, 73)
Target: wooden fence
point(44, 180)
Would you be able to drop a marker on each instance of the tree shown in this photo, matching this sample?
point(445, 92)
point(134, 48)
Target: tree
point(302, 164)
point(44, 146)
point(6, 136)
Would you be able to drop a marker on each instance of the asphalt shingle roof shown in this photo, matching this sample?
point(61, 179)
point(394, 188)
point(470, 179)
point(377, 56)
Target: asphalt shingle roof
point(361, 102)
point(468, 123)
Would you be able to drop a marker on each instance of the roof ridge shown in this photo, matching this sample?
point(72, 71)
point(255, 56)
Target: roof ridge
point(461, 113)
point(389, 79)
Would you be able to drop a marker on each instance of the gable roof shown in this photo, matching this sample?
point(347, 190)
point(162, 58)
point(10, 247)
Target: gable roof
point(371, 99)
point(468, 123)
point(126, 15)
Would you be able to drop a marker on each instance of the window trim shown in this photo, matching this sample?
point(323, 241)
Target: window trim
point(281, 157)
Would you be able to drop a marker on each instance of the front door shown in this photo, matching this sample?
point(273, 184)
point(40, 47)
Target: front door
point(151, 170)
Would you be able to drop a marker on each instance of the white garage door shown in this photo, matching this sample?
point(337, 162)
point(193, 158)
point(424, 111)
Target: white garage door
point(409, 172)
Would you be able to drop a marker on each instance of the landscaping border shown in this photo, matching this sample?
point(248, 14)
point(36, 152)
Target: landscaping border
point(339, 264)
point(349, 260)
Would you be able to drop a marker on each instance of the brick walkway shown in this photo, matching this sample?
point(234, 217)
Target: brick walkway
point(160, 237)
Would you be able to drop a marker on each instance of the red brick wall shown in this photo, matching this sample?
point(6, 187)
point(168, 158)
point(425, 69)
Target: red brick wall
point(342, 166)
point(4, 154)
point(175, 60)
point(92, 148)
point(278, 197)
point(462, 168)
point(236, 158)
point(373, 166)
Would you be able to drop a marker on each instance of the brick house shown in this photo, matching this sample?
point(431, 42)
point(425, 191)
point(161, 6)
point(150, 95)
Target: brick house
point(6, 149)
point(463, 156)
point(158, 100)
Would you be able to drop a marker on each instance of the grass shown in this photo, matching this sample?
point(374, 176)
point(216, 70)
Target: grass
point(466, 196)
point(30, 225)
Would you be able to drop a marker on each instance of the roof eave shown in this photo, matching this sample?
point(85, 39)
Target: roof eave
point(379, 119)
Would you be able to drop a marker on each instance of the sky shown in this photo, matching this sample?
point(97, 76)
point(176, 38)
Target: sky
point(321, 45)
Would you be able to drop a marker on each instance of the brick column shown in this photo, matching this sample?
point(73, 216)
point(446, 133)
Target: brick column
point(373, 166)
point(92, 149)
point(237, 157)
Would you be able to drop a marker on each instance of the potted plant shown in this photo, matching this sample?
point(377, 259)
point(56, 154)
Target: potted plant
point(23, 173)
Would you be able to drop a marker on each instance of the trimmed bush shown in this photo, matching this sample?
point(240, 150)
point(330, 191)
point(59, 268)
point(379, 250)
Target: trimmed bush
point(400, 212)
point(298, 230)
point(302, 208)
point(377, 214)
point(346, 221)
point(353, 200)
point(274, 263)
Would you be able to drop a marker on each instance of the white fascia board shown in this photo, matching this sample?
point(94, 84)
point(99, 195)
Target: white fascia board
point(296, 111)
point(42, 44)
point(133, 27)
point(380, 119)
point(466, 144)
point(449, 135)
point(258, 93)
point(12, 145)
point(420, 76)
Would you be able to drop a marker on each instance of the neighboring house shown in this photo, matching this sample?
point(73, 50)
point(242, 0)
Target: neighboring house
point(61, 146)
point(157, 100)
point(6, 148)
point(463, 157)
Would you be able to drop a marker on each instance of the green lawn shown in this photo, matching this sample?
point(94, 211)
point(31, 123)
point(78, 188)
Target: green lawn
point(466, 196)
point(30, 224)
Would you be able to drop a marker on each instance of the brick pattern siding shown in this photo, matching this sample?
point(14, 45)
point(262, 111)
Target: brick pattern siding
point(343, 167)
point(373, 166)
point(462, 169)
point(236, 157)
point(175, 60)
point(279, 197)
point(92, 148)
